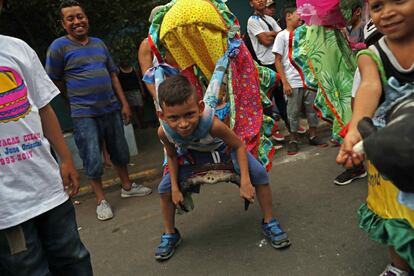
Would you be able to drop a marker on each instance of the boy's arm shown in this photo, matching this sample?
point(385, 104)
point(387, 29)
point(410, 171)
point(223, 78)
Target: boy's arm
point(366, 102)
point(126, 111)
point(279, 67)
point(177, 196)
point(53, 133)
point(220, 130)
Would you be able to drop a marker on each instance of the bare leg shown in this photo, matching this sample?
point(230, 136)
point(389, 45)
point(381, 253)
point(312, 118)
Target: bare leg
point(264, 196)
point(122, 172)
point(107, 159)
point(397, 261)
point(96, 185)
point(168, 212)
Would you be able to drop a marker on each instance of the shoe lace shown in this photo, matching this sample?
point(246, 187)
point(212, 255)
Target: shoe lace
point(165, 241)
point(274, 228)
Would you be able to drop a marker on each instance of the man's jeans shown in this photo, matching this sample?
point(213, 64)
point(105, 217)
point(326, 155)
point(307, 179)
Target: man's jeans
point(53, 247)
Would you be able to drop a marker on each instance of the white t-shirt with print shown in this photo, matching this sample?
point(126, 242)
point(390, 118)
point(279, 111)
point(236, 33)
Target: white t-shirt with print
point(30, 181)
point(255, 26)
point(281, 47)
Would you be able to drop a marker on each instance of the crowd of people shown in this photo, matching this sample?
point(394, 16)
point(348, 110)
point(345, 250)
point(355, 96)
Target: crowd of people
point(218, 105)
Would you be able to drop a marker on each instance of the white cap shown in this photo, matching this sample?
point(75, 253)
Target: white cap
point(269, 3)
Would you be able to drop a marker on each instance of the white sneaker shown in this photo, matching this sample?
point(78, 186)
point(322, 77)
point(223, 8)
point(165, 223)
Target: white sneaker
point(104, 210)
point(391, 270)
point(136, 190)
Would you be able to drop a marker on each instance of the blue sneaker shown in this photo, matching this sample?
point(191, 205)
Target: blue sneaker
point(167, 245)
point(274, 233)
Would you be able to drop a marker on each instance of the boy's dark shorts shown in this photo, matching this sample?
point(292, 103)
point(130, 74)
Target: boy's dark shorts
point(258, 174)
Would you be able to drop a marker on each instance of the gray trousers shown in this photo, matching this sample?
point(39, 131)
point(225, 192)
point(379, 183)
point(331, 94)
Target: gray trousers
point(299, 97)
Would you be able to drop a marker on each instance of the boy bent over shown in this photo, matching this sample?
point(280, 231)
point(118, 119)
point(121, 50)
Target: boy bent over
point(192, 127)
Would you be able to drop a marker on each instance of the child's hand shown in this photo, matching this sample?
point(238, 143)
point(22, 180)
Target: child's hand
point(346, 156)
point(70, 178)
point(247, 192)
point(177, 198)
point(287, 89)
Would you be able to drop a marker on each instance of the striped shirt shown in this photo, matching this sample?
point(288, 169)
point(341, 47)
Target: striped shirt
point(85, 69)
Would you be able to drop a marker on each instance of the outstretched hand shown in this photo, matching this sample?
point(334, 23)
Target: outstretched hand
point(346, 155)
point(70, 178)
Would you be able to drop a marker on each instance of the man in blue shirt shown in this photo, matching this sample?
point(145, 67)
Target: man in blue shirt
point(82, 67)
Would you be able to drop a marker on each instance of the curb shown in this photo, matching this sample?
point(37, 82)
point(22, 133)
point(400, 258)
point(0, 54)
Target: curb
point(143, 176)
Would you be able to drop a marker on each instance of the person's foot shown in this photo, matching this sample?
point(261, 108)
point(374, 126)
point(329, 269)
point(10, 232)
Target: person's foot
point(168, 244)
point(301, 130)
point(136, 190)
point(104, 210)
point(274, 234)
point(350, 175)
point(316, 141)
point(391, 270)
point(292, 148)
point(279, 137)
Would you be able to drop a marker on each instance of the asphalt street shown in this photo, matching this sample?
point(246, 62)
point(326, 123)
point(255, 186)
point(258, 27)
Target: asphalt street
point(220, 238)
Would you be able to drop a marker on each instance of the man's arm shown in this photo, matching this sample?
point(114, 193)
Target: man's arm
point(126, 112)
point(220, 130)
point(280, 69)
point(267, 38)
point(145, 58)
point(366, 102)
point(53, 133)
point(177, 196)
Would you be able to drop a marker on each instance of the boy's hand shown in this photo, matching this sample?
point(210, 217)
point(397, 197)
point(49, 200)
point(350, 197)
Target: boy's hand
point(177, 198)
point(346, 156)
point(247, 192)
point(287, 89)
point(70, 178)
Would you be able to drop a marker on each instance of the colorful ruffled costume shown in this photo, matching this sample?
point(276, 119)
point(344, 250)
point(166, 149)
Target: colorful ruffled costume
point(202, 38)
point(385, 216)
point(325, 58)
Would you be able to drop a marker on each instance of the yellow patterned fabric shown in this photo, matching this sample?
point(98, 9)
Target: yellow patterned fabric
point(195, 34)
point(382, 198)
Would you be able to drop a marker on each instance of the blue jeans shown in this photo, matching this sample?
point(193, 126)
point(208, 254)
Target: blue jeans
point(53, 246)
point(89, 135)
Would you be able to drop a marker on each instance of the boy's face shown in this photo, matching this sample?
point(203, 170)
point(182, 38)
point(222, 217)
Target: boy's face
point(258, 5)
point(293, 19)
point(183, 118)
point(75, 22)
point(393, 18)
